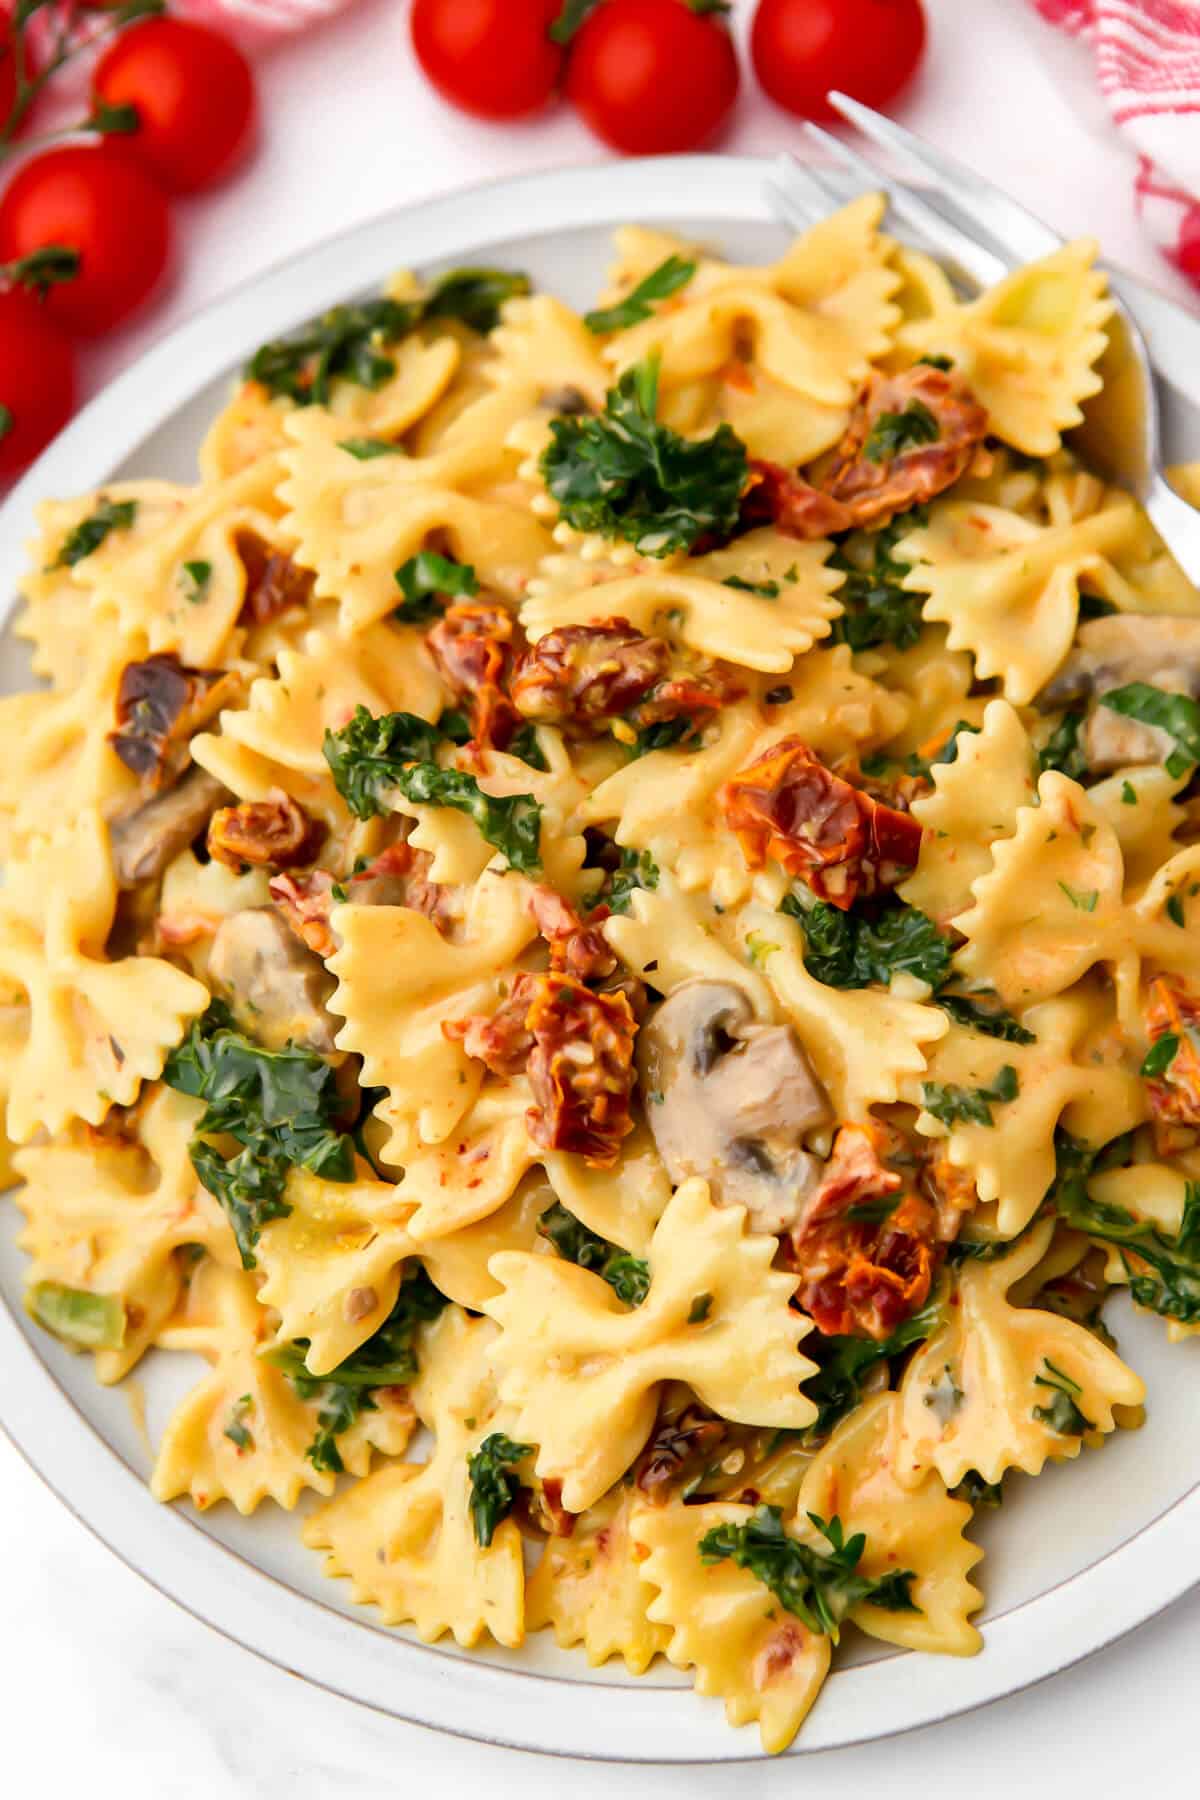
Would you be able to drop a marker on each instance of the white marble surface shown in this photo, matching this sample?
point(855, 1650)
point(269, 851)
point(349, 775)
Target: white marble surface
point(106, 1686)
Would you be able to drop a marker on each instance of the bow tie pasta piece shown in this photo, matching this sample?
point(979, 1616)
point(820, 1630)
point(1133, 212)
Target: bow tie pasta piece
point(590, 1589)
point(243, 1433)
point(936, 683)
point(1008, 589)
point(320, 685)
point(333, 1265)
point(727, 1626)
point(1076, 1073)
point(862, 1043)
point(691, 601)
point(56, 758)
point(106, 1216)
point(582, 1371)
point(183, 585)
point(815, 320)
point(357, 521)
point(399, 980)
point(1145, 825)
point(1051, 906)
point(919, 1529)
point(404, 1537)
point(472, 1173)
point(542, 359)
point(1028, 346)
point(248, 427)
point(251, 776)
point(1148, 1192)
point(1000, 1386)
point(458, 1261)
point(665, 939)
point(975, 802)
point(98, 1029)
point(623, 1204)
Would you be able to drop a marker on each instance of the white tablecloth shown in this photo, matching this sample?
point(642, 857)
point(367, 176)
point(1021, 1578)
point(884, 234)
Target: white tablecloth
point(107, 1687)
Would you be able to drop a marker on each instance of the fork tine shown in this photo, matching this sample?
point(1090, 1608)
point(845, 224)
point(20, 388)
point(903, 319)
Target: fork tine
point(1007, 225)
point(965, 255)
point(798, 193)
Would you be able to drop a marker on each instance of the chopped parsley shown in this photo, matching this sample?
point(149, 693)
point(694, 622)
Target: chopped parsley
point(1082, 899)
point(671, 275)
point(894, 432)
point(699, 1310)
point(626, 476)
point(1176, 714)
point(236, 1429)
point(765, 590)
point(876, 607)
point(955, 1105)
point(279, 1106)
point(194, 579)
point(423, 577)
point(493, 1488)
point(818, 1586)
point(628, 1276)
point(90, 533)
point(849, 950)
point(474, 296)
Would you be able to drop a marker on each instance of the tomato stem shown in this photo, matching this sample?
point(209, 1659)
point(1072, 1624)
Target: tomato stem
point(27, 87)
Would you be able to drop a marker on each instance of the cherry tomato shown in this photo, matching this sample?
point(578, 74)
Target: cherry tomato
point(37, 379)
point(99, 201)
point(194, 96)
point(867, 48)
point(652, 76)
point(493, 58)
point(8, 76)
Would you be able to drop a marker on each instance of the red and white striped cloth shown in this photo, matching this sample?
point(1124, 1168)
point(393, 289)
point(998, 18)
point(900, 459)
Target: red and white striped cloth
point(1147, 62)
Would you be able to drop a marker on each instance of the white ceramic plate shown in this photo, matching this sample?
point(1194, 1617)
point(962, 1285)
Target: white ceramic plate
point(1075, 1559)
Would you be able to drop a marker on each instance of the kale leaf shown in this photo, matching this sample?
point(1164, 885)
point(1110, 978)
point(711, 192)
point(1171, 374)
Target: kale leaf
point(493, 1488)
point(876, 607)
point(511, 823)
point(992, 1021)
point(664, 734)
point(350, 341)
point(1165, 1278)
point(626, 476)
point(367, 755)
point(90, 533)
point(279, 1105)
point(969, 1106)
point(423, 577)
point(893, 432)
point(845, 1361)
point(636, 869)
point(1063, 750)
point(978, 1492)
point(819, 1586)
point(849, 950)
point(388, 1358)
point(1176, 714)
point(637, 305)
point(1060, 1412)
point(628, 1276)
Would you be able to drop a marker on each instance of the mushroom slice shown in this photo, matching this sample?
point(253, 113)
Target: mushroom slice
point(274, 985)
point(730, 1099)
point(1111, 652)
point(144, 841)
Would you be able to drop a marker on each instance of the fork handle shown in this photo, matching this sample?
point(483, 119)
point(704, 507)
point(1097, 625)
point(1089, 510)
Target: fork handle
point(1177, 523)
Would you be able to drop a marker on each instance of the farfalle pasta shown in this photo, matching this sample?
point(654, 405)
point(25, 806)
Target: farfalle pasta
point(600, 917)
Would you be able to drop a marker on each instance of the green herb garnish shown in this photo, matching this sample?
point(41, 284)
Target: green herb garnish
point(836, 1388)
point(1160, 1055)
point(818, 1586)
point(423, 577)
point(367, 756)
point(1176, 714)
point(876, 607)
point(955, 1105)
point(894, 432)
point(847, 950)
point(637, 305)
point(366, 449)
point(637, 869)
point(626, 476)
point(512, 823)
point(90, 533)
point(195, 579)
point(628, 1276)
point(1063, 750)
point(993, 1022)
point(493, 1488)
point(1060, 1412)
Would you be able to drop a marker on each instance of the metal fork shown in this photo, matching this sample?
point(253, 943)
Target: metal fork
point(980, 235)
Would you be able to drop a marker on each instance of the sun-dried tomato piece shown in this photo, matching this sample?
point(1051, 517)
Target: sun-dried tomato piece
point(585, 675)
point(473, 645)
point(843, 843)
point(1174, 1095)
point(398, 876)
point(161, 703)
point(502, 1040)
point(306, 902)
point(682, 1447)
point(575, 948)
point(273, 581)
point(275, 833)
point(865, 1249)
point(580, 1069)
point(850, 488)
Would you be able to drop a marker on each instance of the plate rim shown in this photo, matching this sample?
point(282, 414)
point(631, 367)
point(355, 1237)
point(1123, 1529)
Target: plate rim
point(1032, 1641)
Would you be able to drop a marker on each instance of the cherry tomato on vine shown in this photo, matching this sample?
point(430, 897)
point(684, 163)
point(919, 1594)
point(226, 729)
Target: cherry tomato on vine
point(653, 76)
point(8, 75)
point(193, 94)
point(37, 379)
point(493, 58)
point(867, 48)
point(97, 200)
